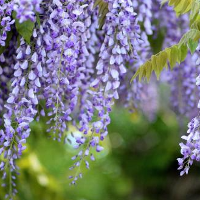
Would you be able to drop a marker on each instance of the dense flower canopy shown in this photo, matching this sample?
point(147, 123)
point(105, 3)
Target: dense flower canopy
point(70, 61)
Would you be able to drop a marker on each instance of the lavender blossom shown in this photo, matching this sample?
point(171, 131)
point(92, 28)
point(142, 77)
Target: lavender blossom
point(144, 10)
point(7, 60)
point(26, 9)
point(6, 9)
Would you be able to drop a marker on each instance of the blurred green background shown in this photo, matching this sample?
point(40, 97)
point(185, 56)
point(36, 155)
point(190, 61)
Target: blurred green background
point(139, 163)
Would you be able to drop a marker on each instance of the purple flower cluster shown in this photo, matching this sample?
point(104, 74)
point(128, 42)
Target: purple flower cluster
point(6, 9)
point(7, 60)
point(134, 96)
point(144, 9)
point(25, 9)
point(184, 92)
point(121, 38)
point(20, 109)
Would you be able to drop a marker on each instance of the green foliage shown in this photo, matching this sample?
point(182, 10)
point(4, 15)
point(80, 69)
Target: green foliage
point(177, 53)
point(194, 14)
point(25, 29)
point(172, 55)
point(103, 10)
point(192, 45)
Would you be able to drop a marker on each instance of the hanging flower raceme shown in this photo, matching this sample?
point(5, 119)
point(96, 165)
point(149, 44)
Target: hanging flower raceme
point(67, 55)
point(6, 9)
point(119, 45)
point(185, 93)
point(7, 60)
point(20, 109)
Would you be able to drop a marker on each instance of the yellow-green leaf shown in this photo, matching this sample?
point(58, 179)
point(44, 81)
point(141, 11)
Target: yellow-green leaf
point(192, 45)
point(173, 59)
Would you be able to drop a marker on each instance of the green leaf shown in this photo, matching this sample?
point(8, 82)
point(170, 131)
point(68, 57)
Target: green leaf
point(173, 58)
point(192, 45)
point(172, 55)
point(154, 65)
point(192, 34)
point(172, 2)
point(148, 67)
point(142, 73)
point(196, 23)
point(25, 29)
point(182, 53)
point(162, 61)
